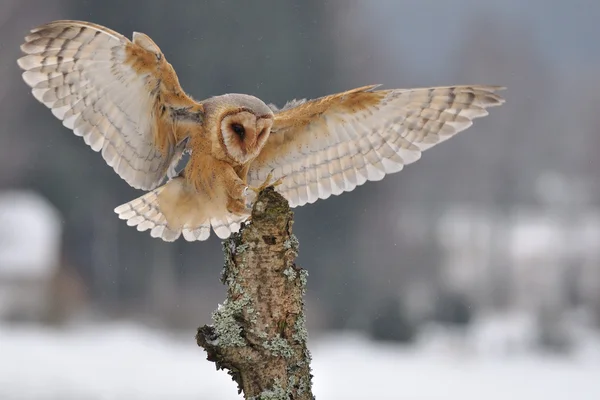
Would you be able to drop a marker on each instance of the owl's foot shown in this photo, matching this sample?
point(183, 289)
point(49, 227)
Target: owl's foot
point(267, 183)
point(240, 199)
point(250, 197)
point(242, 206)
point(242, 203)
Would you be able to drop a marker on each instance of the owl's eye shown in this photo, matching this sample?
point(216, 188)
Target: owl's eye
point(239, 130)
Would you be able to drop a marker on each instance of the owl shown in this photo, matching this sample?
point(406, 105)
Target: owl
point(124, 99)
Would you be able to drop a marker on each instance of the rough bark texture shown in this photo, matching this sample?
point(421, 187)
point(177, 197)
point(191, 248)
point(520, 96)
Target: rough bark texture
point(259, 332)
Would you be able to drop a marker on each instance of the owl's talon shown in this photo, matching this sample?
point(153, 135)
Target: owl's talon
point(267, 183)
point(249, 197)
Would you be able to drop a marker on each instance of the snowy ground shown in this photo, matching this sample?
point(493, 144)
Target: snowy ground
point(128, 362)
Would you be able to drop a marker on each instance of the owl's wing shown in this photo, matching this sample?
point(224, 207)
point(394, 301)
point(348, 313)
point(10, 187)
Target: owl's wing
point(121, 96)
point(333, 144)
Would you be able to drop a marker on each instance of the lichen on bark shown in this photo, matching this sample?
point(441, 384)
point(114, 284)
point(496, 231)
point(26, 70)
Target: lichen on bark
point(259, 332)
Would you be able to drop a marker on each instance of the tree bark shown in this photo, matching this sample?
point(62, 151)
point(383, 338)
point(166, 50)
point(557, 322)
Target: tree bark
point(258, 334)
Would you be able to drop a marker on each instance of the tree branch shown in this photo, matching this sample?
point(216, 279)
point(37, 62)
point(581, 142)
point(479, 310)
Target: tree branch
point(259, 332)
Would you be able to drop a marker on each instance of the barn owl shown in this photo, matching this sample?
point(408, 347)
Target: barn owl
point(125, 100)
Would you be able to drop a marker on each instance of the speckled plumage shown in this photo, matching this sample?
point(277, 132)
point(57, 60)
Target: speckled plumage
point(124, 99)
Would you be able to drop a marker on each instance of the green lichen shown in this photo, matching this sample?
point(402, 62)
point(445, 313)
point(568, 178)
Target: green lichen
point(292, 381)
point(275, 393)
point(301, 384)
point(241, 248)
point(306, 360)
point(290, 273)
point(225, 322)
point(303, 280)
point(304, 386)
point(236, 288)
point(251, 314)
point(261, 334)
point(279, 346)
point(300, 334)
point(230, 274)
point(291, 243)
point(307, 356)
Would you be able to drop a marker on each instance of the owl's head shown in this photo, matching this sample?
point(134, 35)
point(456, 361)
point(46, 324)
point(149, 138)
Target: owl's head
point(243, 125)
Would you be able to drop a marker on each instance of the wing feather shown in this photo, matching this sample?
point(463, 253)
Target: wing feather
point(112, 92)
point(333, 144)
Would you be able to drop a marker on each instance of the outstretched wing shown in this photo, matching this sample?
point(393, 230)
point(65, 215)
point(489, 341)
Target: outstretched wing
point(332, 144)
point(122, 97)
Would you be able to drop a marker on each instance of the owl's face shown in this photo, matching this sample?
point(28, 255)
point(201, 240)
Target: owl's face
point(242, 124)
point(244, 134)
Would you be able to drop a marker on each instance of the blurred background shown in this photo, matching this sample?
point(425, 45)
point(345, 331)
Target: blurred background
point(473, 272)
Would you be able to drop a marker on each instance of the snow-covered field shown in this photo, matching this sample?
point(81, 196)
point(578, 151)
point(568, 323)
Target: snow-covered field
point(129, 362)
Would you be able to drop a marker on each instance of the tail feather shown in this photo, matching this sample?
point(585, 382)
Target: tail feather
point(201, 233)
point(224, 227)
point(183, 216)
point(144, 214)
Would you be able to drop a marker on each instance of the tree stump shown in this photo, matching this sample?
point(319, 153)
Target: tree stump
point(258, 334)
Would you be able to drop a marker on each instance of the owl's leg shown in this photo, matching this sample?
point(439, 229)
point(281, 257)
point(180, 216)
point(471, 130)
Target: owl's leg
point(239, 198)
point(267, 183)
point(241, 203)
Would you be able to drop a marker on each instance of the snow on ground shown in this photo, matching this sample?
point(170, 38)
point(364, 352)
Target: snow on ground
point(129, 362)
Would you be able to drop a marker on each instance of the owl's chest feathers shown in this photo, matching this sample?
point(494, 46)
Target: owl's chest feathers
point(209, 175)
